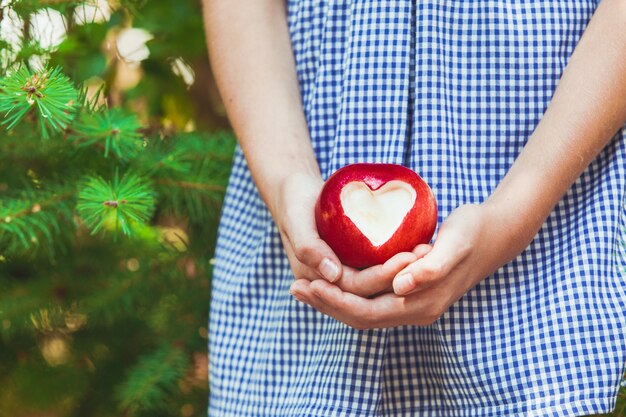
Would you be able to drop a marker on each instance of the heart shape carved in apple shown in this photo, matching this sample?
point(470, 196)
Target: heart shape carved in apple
point(377, 213)
point(369, 212)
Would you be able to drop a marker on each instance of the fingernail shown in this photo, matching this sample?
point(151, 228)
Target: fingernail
point(295, 294)
point(403, 284)
point(292, 289)
point(329, 270)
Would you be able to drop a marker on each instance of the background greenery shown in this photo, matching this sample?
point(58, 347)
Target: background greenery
point(114, 155)
point(113, 165)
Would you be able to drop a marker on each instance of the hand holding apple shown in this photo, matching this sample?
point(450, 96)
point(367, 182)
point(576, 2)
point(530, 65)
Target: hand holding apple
point(309, 256)
point(471, 244)
point(369, 212)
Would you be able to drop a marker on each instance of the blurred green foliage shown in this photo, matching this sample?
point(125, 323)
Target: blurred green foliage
point(113, 165)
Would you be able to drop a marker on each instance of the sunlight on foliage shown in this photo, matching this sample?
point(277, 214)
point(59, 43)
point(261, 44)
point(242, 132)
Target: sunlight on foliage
point(48, 94)
point(117, 205)
point(113, 129)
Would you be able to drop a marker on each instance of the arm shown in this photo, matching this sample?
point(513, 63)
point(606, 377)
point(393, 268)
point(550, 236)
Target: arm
point(251, 56)
point(587, 108)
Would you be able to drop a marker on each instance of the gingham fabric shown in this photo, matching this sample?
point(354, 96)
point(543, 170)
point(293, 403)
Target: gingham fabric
point(452, 89)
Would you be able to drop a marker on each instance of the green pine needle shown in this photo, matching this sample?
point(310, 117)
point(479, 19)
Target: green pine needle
point(117, 205)
point(152, 380)
point(48, 94)
point(115, 130)
point(32, 220)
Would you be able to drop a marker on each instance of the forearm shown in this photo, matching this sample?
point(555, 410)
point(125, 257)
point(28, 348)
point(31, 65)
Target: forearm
point(251, 56)
point(587, 109)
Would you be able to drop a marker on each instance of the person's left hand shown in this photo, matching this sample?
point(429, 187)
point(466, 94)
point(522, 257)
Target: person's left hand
point(471, 244)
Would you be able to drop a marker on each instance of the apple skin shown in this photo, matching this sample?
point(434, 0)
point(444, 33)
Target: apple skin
point(343, 236)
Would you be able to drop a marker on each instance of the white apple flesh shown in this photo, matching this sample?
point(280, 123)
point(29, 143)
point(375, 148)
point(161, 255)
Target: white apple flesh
point(377, 213)
point(369, 212)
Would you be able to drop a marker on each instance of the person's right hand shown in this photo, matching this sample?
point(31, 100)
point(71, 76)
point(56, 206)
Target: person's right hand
point(310, 257)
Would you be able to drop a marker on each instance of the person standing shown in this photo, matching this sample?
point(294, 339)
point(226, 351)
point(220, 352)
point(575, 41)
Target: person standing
point(513, 112)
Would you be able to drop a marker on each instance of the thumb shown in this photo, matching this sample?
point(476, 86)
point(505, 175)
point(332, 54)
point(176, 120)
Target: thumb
point(449, 250)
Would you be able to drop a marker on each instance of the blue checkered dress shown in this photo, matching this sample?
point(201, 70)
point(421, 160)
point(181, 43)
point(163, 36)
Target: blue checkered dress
point(452, 89)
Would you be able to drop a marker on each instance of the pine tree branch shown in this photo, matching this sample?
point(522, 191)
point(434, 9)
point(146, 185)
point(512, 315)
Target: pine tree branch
point(37, 207)
point(191, 185)
point(152, 379)
point(26, 30)
point(32, 217)
point(16, 305)
point(48, 94)
point(119, 204)
point(113, 129)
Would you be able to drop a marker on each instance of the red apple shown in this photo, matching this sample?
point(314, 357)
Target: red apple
point(369, 212)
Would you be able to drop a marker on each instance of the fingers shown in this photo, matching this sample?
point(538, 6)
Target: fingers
point(300, 270)
point(296, 222)
point(303, 243)
point(449, 250)
point(360, 313)
point(422, 250)
point(375, 279)
point(313, 252)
